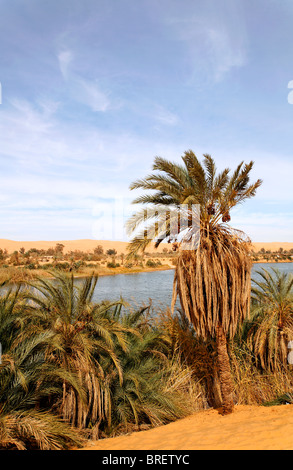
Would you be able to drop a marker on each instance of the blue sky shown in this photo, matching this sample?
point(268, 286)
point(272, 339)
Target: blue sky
point(93, 90)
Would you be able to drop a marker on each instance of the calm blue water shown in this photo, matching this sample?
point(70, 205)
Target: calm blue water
point(138, 289)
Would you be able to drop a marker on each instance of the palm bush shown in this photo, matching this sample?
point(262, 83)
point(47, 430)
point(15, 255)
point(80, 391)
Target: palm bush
point(25, 380)
point(11, 313)
point(151, 393)
point(270, 328)
point(81, 336)
point(33, 429)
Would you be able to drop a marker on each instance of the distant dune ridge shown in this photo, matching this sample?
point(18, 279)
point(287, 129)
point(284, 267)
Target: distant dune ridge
point(72, 245)
point(89, 245)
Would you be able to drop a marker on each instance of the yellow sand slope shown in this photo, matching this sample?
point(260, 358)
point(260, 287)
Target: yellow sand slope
point(248, 428)
point(72, 245)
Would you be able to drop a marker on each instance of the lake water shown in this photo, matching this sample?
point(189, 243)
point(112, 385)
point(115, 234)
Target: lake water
point(138, 289)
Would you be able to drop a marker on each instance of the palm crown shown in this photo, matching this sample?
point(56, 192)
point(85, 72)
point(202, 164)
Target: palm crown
point(189, 184)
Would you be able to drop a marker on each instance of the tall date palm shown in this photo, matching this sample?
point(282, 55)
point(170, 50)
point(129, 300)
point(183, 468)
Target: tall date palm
point(212, 276)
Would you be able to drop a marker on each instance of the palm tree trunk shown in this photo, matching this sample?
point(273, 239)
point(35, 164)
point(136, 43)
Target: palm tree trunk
point(224, 372)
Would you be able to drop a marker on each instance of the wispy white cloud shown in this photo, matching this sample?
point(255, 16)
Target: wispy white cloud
point(89, 93)
point(225, 52)
point(63, 169)
point(81, 89)
point(215, 39)
point(165, 117)
point(65, 58)
point(37, 118)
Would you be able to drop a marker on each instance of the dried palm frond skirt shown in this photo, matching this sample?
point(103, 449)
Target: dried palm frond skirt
point(213, 282)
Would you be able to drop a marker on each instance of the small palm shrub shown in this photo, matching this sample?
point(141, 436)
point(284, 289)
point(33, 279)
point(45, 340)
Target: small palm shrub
point(25, 381)
point(270, 327)
point(80, 337)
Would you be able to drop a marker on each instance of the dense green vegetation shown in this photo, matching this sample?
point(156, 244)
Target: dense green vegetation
point(72, 369)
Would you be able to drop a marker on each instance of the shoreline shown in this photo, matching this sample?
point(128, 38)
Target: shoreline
point(22, 274)
point(272, 261)
point(160, 268)
point(163, 268)
point(25, 275)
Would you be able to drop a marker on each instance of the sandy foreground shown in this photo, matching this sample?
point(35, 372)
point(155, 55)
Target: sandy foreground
point(248, 428)
point(120, 247)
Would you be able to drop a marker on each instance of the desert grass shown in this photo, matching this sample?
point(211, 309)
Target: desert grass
point(252, 384)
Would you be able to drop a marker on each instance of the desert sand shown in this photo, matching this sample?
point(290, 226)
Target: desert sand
point(119, 246)
point(72, 245)
point(273, 246)
point(248, 428)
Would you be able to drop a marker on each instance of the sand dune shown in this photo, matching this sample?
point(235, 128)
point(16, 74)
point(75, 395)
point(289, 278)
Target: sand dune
point(273, 246)
point(248, 428)
point(89, 245)
point(72, 245)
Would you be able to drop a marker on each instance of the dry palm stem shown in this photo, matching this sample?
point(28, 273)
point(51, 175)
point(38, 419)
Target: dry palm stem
point(213, 283)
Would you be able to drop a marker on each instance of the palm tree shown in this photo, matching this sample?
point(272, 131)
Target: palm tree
point(26, 380)
point(212, 276)
point(270, 329)
point(80, 336)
